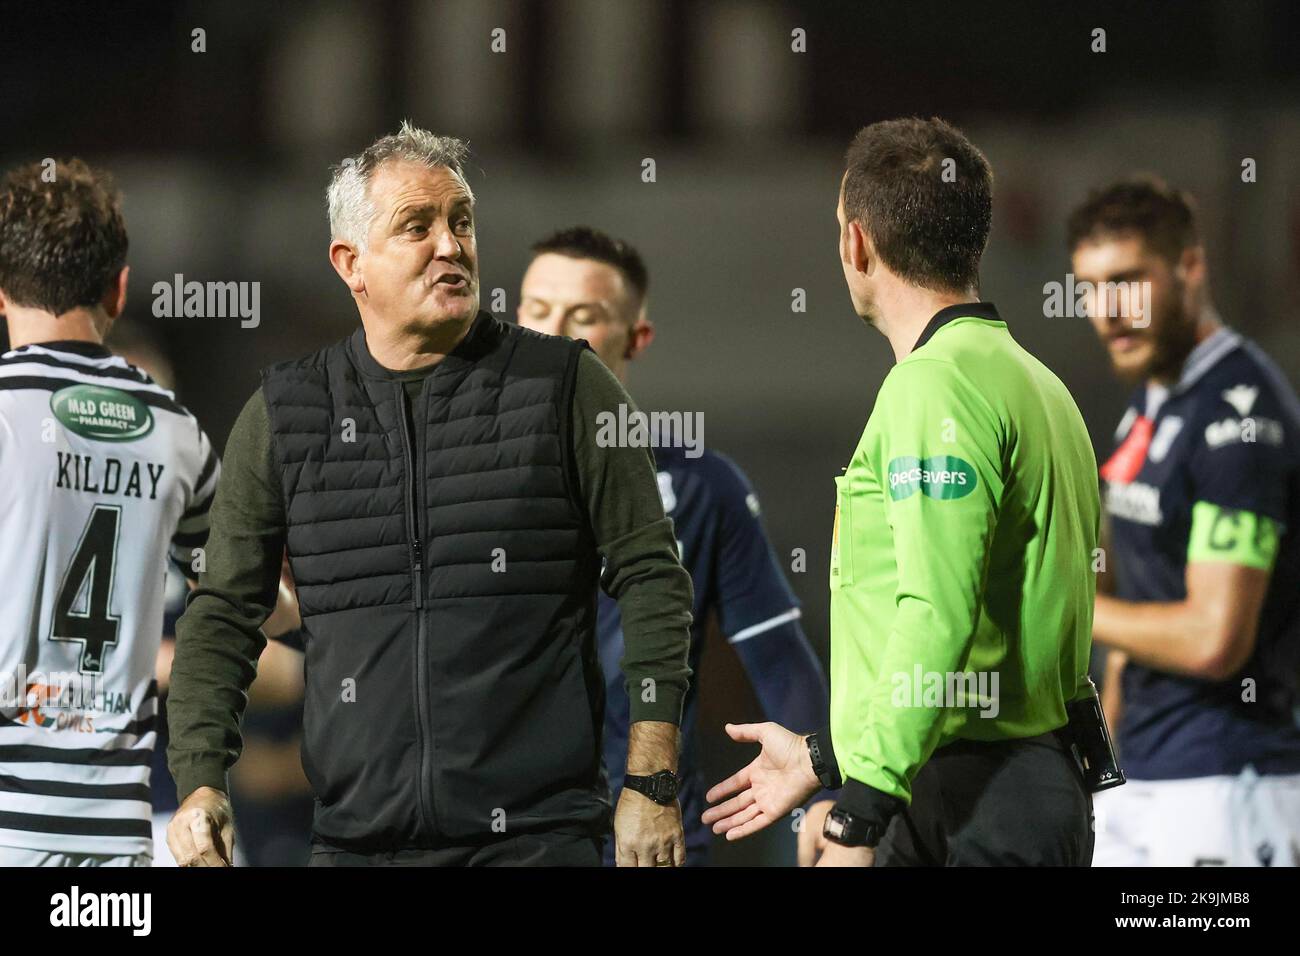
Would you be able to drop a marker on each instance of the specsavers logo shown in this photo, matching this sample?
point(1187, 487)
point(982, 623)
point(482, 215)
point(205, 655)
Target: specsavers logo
point(942, 476)
point(106, 414)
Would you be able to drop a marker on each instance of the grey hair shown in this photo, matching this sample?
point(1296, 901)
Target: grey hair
point(350, 208)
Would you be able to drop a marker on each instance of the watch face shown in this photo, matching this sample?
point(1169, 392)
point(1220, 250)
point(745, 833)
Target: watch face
point(833, 828)
point(665, 787)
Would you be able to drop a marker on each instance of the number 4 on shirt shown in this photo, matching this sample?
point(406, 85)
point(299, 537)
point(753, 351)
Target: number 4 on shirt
point(91, 571)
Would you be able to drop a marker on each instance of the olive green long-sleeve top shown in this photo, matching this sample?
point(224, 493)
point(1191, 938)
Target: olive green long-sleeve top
point(219, 638)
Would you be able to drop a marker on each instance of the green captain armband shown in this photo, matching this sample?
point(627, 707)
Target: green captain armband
point(1237, 537)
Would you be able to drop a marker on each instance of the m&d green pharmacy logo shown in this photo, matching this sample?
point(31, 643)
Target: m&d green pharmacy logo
point(106, 414)
point(942, 476)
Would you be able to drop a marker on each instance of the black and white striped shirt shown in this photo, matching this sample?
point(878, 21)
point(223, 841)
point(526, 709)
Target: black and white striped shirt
point(103, 477)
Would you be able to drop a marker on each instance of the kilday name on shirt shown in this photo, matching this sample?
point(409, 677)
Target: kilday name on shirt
point(79, 473)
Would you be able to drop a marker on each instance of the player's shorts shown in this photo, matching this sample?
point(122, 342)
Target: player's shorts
point(1246, 820)
point(21, 856)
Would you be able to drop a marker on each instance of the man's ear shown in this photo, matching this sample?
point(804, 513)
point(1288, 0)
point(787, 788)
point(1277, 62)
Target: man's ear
point(1191, 265)
point(861, 250)
point(642, 334)
point(344, 259)
point(114, 300)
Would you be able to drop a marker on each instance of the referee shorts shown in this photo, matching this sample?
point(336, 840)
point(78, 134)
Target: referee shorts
point(1003, 803)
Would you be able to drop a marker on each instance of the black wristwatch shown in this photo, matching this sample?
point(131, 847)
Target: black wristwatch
point(845, 829)
point(660, 787)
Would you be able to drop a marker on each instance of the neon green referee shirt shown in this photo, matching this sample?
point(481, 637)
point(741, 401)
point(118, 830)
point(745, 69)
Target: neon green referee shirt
point(962, 577)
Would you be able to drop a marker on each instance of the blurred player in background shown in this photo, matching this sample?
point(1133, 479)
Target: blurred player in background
point(586, 285)
point(104, 476)
point(1203, 502)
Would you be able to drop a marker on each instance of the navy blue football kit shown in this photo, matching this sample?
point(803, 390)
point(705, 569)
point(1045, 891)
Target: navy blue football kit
point(736, 576)
point(1208, 470)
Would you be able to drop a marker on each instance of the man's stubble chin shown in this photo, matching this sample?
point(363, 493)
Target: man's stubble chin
point(440, 308)
point(1133, 371)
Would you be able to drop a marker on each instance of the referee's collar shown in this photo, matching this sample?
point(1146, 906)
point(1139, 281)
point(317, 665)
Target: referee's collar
point(963, 310)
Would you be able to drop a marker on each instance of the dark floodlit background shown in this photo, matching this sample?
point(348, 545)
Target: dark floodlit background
point(223, 157)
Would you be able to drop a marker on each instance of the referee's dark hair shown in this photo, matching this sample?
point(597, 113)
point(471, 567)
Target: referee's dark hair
point(62, 235)
point(1145, 206)
point(923, 192)
point(584, 242)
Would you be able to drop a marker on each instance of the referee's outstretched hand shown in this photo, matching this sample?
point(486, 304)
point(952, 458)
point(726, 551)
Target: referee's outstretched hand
point(779, 779)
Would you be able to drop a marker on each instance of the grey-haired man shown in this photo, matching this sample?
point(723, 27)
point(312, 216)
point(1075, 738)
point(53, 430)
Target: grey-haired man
point(437, 483)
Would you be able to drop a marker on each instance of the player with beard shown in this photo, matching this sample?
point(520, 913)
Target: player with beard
point(1203, 500)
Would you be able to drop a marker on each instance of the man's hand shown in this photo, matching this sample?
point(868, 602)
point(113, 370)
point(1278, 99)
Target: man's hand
point(811, 841)
point(202, 833)
point(837, 855)
point(647, 834)
point(779, 779)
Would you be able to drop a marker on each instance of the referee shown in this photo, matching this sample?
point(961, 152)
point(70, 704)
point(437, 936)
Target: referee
point(961, 582)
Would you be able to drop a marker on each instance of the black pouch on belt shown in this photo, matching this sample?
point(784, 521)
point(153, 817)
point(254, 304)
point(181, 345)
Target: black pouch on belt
point(1089, 741)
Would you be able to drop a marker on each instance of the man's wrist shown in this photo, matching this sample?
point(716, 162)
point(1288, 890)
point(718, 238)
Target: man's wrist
point(652, 745)
point(662, 787)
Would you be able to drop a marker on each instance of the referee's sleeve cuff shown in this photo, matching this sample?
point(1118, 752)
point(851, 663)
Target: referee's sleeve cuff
point(868, 804)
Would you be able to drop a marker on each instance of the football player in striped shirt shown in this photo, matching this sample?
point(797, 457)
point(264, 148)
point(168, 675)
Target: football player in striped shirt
point(104, 477)
point(584, 284)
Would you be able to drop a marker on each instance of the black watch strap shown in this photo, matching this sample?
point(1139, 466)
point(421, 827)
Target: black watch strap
point(660, 787)
point(825, 769)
